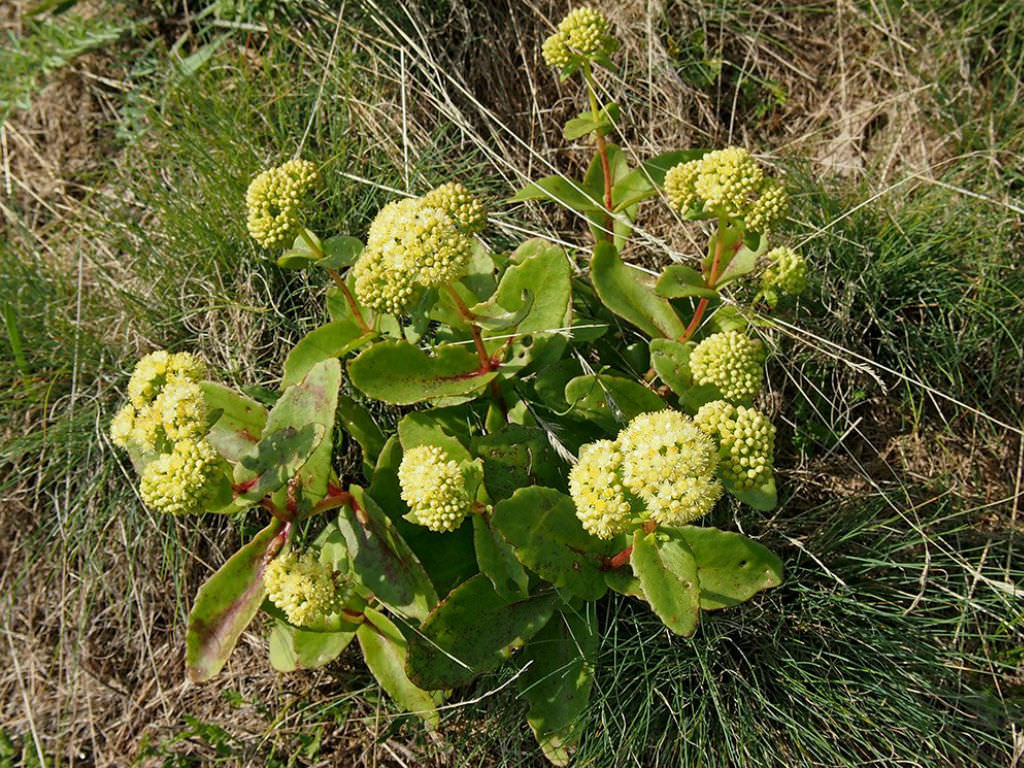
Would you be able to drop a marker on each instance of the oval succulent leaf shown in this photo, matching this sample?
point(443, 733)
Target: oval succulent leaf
point(226, 604)
point(471, 632)
point(668, 576)
point(630, 294)
point(385, 650)
point(400, 373)
point(541, 524)
point(731, 568)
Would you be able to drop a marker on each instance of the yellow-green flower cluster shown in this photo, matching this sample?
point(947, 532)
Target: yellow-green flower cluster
point(183, 481)
point(434, 488)
point(413, 245)
point(468, 213)
point(584, 34)
point(670, 464)
point(787, 274)
point(660, 467)
point(732, 362)
point(274, 202)
point(603, 504)
point(746, 441)
point(309, 592)
point(728, 183)
point(165, 403)
point(165, 420)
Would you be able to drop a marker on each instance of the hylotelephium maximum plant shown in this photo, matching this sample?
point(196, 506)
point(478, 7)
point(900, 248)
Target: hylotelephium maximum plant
point(538, 475)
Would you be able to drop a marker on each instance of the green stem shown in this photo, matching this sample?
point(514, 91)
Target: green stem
point(602, 147)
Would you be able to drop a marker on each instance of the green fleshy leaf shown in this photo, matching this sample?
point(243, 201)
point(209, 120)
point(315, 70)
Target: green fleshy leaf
point(516, 456)
point(336, 339)
point(544, 270)
point(340, 251)
point(239, 420)
point(358, 422)
point(479, 278)
point(292, 648)
point(623, 581)
point(671, 361)
point(679, 280)
point(668, 576)
point(432, 428)
point(558, 675)
point(494, 317)
point(558, 189)
point(226, 604)
point(401, 374)
point(497, 561)
point(473, 631)
point(644, 182)
point(382, 561)
point(385, 650)
point(611, 401)
point(296, 426)
point(541, 524)
point(742, 263)
point(300, 255)
point(725, 317)
point(765, 497)
point(630, 294)
point(731, 568)
point(586, 123)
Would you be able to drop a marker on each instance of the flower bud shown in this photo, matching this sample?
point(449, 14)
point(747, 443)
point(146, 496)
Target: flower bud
point(453, 199)
point(584, 33)
point(273, 202)
point(746, 442)
point(786, 274)
point(411, 246)
point(183, 481)
point(732, 362)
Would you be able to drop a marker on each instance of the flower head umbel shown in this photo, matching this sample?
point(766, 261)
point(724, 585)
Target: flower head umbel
point(434, 488)
point(728, 183)
point(159, 368)
point(165, 403)
point(746, 441)
point(183, 481)
point(310, 593)
point(732, 362)
point(670, 464)
point(603, 505)
point(787, 274)
point(583, 35)
point(274, 201)
point(181, 410)
point(468, 213)
point(411, 246)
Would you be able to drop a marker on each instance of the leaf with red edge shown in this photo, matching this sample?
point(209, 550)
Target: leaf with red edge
point(227, 603)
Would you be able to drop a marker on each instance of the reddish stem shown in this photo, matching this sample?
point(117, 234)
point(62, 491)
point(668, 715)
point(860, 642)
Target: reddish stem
point(617, 560)
point(349, 298)
point(709, 282)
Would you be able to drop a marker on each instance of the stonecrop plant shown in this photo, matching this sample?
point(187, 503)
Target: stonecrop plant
point(576, 419)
